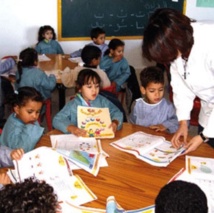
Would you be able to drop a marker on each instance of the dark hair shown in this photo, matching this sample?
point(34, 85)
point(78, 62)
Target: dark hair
point(168, 31)
point(27, 58)
point(42, 31)
point(30, 196)
point(114, 44)
point(89, 53)
point(151, 74)
point(95, 32)
point(23, 95)
point(181, 197)
point(85, 76)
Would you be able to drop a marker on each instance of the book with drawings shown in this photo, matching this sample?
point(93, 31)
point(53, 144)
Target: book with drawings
point(95, 121)
point(46, 164)
point(86, 153)
point(152, 149)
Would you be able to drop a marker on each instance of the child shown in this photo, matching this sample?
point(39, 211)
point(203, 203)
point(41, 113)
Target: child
point(115, 65)
point(91, 57)
point(88, 86)
point(153, 111)
point(181, 197)
point(30, 195)
point(98, 38)
point(6, 157)
point(47, 43)
point(29, 75)
point(22, 129)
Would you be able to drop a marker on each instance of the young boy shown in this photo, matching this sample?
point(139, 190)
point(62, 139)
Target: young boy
point(153, 111)
point(98, 38)
point(181, 197)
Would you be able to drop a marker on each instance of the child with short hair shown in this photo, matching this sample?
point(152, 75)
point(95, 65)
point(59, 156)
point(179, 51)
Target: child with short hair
point(115, 65)
point(153, 111)
point(47, 43)
point(88, 86)
point(30, 75)
point(22, 129)
point(98, 37)
point(181, 197)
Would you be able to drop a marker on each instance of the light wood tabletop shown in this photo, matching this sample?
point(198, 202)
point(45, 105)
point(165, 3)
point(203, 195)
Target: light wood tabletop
point(133, 182)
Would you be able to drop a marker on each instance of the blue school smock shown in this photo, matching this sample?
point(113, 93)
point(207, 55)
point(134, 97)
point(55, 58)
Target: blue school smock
point(49, 47)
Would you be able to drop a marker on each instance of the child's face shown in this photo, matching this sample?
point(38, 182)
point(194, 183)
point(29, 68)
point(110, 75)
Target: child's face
point(118, 52)
point(95, 62)
point(153, 92)
point(100, 39)
point(48, 35)
point(90, 91)
point(28, 113)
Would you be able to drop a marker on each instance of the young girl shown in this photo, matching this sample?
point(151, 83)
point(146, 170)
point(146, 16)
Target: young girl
point(88, 86)
point(29, 75)
point(115, 65)
point(46, 41)
point(22, 129)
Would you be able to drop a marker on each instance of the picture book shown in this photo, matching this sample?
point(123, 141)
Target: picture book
point(152, 149)
point(46, 164)
point(95, 121)
point(87, 153)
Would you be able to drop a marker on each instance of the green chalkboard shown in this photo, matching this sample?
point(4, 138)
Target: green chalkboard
point(120, 18)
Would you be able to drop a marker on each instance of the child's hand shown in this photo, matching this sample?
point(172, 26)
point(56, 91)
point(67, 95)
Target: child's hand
point(113, 84)
point(4, 179)
point(114, 125)
point(158, 128)
point(76, 131)
point(16, 154)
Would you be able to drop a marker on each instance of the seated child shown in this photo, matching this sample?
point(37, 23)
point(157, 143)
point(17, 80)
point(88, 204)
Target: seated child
point(91, 57)
point(28, 196)
point(22, 129)
point(47, 43)
point(30, 75)
point(6, 157)
point(98, 38)
point(88, 86)
point(153, 110)
point(181, 197)
point(115, 65)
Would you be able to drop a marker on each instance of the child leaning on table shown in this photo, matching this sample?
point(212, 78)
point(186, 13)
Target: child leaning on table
point(153, 111)
point(47, 43)
point(88, 86)
point(22, 129)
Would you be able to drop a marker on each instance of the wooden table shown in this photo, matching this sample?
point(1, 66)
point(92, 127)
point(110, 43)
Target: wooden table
point(58, 62)
point(134, 183)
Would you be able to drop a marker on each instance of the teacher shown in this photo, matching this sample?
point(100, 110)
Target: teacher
point(188, 46)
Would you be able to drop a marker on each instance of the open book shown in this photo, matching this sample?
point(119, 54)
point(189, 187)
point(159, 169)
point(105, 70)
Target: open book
point(152, 149)
point(95, 121)
point(46, 164)
point(86, 153)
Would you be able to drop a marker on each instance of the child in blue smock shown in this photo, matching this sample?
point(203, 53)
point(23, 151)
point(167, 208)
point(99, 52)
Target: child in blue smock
point(47, 43)
point(115, 65)
point(153, 111)
point(30, 75)
point(22, 129)
point(88, 86)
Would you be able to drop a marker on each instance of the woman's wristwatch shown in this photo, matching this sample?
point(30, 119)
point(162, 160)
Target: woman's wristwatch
point(204, 138)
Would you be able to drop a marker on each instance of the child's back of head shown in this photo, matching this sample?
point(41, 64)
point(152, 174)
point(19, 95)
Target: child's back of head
point(89, 53)
point(43, 30)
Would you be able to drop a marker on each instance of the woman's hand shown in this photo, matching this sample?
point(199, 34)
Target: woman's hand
point(77, 131)
point(194, 143)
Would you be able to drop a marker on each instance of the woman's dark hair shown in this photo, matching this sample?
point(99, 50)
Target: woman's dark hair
point(42, 31)
point(89, 53)
point(85, 76)
point(168, 31)
point(27, 58)
point(113, 44)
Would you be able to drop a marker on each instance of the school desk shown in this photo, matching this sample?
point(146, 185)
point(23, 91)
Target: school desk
point(57, 62)
point(133, 182)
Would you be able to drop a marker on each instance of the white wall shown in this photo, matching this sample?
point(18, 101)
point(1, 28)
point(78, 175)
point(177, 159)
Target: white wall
point(21, 19)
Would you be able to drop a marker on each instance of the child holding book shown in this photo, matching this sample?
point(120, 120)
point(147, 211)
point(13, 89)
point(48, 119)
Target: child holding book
point(88, 86)
point(22, 129)
point(30, 75)
point(153, 111)
point(98, 40)
point(47, 43)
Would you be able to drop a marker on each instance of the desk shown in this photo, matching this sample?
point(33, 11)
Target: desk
point(58, 62)
point(134, 183)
